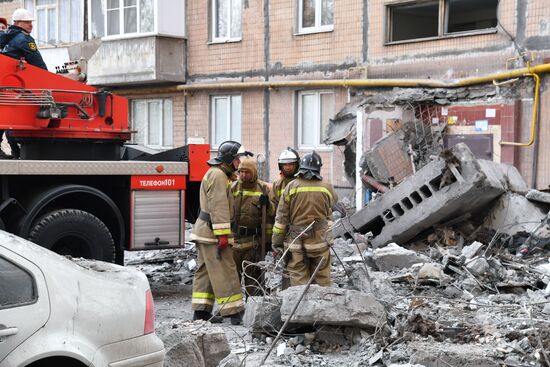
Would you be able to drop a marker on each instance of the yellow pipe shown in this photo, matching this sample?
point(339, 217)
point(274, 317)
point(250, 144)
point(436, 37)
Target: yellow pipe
point(346, 83)
point(372, 83)
point(534, 119)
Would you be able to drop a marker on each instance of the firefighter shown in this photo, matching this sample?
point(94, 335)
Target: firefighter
point(17, 41)
point(289, 160)
point(305, 200)
point(251, 199)
point(216, 278)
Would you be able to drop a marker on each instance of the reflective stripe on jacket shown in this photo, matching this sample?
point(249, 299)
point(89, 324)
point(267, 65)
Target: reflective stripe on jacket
point(303, 202)
point(216, 200)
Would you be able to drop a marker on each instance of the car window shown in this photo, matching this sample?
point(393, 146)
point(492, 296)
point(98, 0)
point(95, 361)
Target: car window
point(16, 285)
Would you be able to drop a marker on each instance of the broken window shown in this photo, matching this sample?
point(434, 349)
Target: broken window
point(226, 24)
point(315, 109)
point(152, 121)
point(16, 285)
point(436, 18)
point(56, 21)
point(315, 15)
point(116, 17)
point(226, 119)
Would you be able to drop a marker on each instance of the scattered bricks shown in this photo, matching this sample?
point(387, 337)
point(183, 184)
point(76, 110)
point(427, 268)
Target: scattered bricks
point(394, 257)
point(440, 191)
point(469, 252)
point(333, 306)
point(262, 314)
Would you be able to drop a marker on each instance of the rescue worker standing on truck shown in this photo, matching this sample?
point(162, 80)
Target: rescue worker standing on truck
point(250, 199)
point(18, 43)
point(289, 161)
point(216, 277)
point(305, 200)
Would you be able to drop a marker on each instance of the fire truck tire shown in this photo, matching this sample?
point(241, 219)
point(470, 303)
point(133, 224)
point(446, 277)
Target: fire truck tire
point(74, 232)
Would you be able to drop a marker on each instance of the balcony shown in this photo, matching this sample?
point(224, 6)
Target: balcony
point(143, 60)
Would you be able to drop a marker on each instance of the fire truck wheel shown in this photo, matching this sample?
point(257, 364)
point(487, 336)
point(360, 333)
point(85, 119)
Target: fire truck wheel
point(74, 232)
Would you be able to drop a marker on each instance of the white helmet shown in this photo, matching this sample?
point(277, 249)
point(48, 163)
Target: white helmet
point(242, 152)
point(289, 155)
point(22, 15)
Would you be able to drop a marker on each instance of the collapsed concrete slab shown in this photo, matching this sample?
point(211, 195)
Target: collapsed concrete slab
point(452, 185)
point(333, 306)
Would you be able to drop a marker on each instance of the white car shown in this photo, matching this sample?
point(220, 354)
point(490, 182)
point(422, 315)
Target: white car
point(59, 312)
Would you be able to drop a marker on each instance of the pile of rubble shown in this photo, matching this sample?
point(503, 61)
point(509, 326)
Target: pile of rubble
point(451, 267)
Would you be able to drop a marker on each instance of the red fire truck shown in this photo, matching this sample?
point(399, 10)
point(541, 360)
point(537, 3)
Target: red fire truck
point(79, 188)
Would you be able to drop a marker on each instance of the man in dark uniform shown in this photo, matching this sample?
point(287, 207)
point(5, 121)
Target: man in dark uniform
point(17, 41)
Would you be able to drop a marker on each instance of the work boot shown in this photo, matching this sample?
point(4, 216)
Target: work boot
point(237, 319)
point(207, 316)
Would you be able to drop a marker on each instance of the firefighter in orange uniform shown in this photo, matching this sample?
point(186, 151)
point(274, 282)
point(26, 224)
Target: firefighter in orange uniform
point(216, 278)
point(305, 200)
point(250, 198)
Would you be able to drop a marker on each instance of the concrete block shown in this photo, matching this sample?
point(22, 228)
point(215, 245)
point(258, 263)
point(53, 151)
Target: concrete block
point(196, 346)
point(539, 196)
point(444, 189)
point(333, 306)
point(394, 257)
point(513, 213)
point(262, 314)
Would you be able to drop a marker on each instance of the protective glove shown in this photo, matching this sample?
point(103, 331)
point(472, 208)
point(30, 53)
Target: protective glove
point(223, 242)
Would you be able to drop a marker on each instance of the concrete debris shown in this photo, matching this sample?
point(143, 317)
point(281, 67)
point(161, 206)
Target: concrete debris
point(333, 306)
point(513, 213)
point(262, 314)
point(471, 250)
point(454, 185)
point(194, 344)
point(394, 257)
point(539, 196)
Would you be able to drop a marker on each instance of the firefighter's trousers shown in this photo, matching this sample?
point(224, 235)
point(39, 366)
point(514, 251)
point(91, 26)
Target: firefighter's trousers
point(300, 270)
point(253, 277)
point(216, 280)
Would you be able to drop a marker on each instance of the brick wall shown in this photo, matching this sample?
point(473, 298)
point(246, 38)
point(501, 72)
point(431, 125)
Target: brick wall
point(342, 45)
point(206, 57)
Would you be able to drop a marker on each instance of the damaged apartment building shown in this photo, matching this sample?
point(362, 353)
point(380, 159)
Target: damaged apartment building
point(275, 73)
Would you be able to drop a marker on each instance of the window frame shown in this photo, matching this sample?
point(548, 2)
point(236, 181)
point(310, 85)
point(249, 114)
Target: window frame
point(148, 101)
point(317, 28)
point(33, 7)
point(48, 8)
point(123, 35)
point(318, 145)
point(230, 123)
point(442, 28)
point(33, 281)
point(213, 23)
